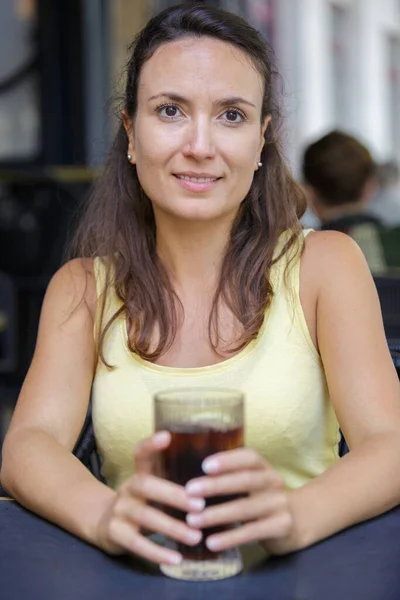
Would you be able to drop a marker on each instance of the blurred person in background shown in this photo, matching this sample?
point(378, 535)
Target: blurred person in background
point(340, 180)
point(385, 204)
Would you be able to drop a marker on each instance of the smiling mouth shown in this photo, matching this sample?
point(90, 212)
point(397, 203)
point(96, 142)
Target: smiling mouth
point(198, 179)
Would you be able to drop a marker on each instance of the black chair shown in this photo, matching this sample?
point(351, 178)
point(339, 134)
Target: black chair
point(389, 296)
point(8, 349)
point(8, 323)
point(86, 449)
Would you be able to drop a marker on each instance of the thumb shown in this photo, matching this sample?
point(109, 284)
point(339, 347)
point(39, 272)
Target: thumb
point(146, 451)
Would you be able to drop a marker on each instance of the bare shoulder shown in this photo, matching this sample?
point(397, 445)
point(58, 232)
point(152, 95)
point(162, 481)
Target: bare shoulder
point(73, 287)
point(362, 382)
point(56, 390)
point(330, 240)
point(332, 258)
point(334, 279)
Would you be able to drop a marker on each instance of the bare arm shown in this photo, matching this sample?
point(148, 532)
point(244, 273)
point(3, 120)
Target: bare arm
point(38, 467)
point(364, 390)
point(343, 313)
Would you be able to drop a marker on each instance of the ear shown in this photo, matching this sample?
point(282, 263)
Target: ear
point(262, 138)
point(128, 125)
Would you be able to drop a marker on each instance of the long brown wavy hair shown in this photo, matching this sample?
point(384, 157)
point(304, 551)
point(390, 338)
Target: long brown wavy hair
point(118, 221)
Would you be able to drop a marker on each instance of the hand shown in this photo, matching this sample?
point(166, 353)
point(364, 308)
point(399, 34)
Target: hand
point(264, 511)
point(122, 525)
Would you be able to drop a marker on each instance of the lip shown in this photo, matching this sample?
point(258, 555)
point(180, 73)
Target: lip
point(194, 186)
point(197, 175)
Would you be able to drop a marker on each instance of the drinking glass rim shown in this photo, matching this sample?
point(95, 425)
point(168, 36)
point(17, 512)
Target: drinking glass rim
point(192, 396)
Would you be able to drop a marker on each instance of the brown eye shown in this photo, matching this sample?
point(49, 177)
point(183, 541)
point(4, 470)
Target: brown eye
point(231, 115)
point(234, 116)
point(170, 111)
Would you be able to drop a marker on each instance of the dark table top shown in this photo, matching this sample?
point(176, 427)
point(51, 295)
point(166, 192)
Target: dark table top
point(39, 561)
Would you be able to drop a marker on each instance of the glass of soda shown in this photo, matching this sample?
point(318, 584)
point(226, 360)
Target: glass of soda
point(201, 422)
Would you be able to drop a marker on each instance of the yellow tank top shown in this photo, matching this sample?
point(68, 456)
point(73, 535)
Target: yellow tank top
point(289, 418)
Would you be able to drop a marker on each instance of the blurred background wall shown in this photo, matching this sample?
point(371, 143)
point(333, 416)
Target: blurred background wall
point(340, 61)
point(62, 60)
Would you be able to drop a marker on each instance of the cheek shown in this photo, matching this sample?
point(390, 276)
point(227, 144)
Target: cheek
point(152, 153)
point(244, 181)
point(243, 160)
point(240, 149)
point(153, 147)
point(243, 164)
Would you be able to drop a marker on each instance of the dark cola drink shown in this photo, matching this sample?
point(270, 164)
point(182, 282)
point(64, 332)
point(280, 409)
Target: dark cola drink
point(181, 462)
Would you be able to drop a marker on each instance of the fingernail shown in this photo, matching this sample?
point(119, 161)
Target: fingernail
point(176, 559)
point(194, 537)
point(210, 465)
point(161, 437)
point(197, 503)
point(213, 544)
point(193, 520)
point(194, 487)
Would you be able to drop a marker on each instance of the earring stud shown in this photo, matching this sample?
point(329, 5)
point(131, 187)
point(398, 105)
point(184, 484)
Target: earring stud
point(259, 164)
point(130, 157)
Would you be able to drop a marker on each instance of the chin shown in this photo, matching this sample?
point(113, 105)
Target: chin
point(199, 211)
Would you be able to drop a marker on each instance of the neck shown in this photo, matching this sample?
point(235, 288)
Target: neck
point(192, 252)
point(330, 213)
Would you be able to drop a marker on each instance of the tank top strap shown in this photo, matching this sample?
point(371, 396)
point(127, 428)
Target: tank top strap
point(287, 267)
point(292, 262)
point(287, 294)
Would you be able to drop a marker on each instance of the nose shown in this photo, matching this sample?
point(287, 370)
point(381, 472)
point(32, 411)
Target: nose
point(199, 143)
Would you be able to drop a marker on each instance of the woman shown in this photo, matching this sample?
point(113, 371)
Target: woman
point(194, 270)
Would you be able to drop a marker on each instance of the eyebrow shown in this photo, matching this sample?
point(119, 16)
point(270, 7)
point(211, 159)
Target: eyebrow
point(223, 102)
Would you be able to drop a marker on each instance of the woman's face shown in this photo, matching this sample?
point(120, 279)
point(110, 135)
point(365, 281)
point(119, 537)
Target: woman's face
point(197, 135)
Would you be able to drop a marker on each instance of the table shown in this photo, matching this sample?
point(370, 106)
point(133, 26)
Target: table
point(39, 561)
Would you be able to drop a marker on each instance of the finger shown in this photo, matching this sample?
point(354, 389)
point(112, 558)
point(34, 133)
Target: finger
point(152, 519)
point(274, 527)
point(255, 507)
point(233, 460)
point(125, 536)
point(240, 482)
point(146, 451)
point(161, 491)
